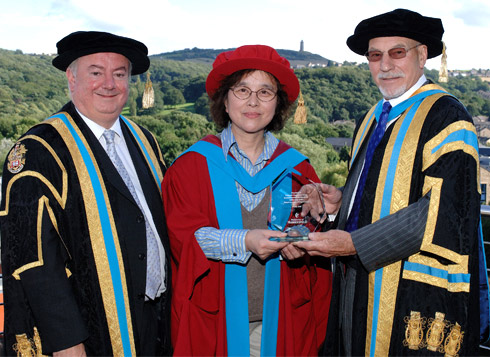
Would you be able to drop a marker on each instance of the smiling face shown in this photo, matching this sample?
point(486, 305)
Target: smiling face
point(251, 115)
point(395, 76)
point(99, 86)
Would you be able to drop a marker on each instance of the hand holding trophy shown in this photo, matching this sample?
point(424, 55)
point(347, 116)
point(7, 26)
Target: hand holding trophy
point(289, 194)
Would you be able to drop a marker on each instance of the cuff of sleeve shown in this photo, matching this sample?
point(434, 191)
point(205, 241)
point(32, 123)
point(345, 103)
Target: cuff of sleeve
point(392, 238)
point(234, 250)
point(358, 239)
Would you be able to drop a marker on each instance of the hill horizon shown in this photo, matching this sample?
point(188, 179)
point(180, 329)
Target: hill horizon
point(208, 55)
point(296, 58)
point(31, 89)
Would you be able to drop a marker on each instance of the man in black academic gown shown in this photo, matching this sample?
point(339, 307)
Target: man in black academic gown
point(84, 241)
point(407, 280)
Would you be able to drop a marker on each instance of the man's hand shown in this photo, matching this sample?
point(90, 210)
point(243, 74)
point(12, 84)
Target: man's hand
point(332, 243)
point(332, 198)
point(257, 241)
point(75, 351)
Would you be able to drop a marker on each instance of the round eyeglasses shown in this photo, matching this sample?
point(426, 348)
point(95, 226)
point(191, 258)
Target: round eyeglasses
point(394, 53)
point(263, 94)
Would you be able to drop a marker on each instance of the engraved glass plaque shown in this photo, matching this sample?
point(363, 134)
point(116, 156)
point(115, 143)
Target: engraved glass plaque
point(287, 200)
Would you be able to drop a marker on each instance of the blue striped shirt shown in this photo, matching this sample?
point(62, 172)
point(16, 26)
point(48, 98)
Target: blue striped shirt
point(228, 245)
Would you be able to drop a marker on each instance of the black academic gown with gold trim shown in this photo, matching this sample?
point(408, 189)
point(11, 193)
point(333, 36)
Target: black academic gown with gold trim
point(55, 289)
point(422, 258)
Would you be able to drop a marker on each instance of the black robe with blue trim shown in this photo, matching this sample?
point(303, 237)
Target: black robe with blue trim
point(413, 287)
point(56, 291)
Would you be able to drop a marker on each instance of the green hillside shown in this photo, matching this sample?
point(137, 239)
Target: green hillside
point(208, 55)
point(335, 96)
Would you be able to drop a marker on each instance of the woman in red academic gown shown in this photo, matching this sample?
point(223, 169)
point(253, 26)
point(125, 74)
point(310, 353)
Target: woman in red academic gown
point(237, 288)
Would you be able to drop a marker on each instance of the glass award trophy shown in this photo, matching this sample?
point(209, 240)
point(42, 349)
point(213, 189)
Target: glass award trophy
point(287, 204)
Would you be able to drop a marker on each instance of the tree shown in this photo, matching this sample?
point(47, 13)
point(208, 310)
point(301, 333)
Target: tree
point(201, 106)
point(344, 153)
point(176, 131)
point(335, 174)
point(196, 87)
point(173, 97)
point(31, 89)
point(320, 155)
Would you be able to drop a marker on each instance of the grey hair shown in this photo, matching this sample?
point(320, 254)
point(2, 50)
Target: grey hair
point(73, 67)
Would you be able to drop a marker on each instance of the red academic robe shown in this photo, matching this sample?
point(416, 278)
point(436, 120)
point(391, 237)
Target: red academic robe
point(198, 320)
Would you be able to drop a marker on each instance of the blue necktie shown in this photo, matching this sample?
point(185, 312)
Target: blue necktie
point(153, 276)
point(351, 224)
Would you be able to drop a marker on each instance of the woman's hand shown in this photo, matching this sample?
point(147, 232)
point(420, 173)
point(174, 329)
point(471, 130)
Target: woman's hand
point(291, 252)
point(257, 241)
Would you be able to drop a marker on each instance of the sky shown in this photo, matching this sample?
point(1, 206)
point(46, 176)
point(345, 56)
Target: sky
point(34, 26)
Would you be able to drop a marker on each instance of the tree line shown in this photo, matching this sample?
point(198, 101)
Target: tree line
point(31, 89)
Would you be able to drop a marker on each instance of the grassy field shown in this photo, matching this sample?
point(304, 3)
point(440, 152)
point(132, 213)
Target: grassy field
point(186, 107)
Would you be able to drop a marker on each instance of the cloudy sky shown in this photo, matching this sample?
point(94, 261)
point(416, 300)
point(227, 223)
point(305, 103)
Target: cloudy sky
point(34, 26)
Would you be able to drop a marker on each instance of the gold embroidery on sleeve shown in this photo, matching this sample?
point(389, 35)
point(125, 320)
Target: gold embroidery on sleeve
point(435, 334)
point(414, 331)
point(23, 347)
point(26, 347)
point(430, 156)
point(43, 208)
point(37, 343)
point(453, 341)
point(434, 184)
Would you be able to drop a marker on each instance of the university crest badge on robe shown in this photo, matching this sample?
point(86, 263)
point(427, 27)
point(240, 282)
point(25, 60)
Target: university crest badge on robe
point(17, 158)
point(437, 339)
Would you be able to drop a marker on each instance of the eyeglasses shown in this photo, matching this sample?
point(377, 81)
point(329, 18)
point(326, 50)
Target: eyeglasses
point(394, 53)
point(243, 92)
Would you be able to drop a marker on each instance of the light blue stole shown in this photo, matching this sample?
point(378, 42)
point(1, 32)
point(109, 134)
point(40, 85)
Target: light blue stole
point(114, 290)
point(224, 174)
point(395, 112)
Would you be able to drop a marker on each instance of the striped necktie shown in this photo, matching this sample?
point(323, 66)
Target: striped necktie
point(378, 133)
point(153, 276)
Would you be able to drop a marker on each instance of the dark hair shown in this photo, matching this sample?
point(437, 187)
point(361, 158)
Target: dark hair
point(221, 117)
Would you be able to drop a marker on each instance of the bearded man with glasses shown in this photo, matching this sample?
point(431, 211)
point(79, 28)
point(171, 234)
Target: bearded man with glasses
point(409, 275)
